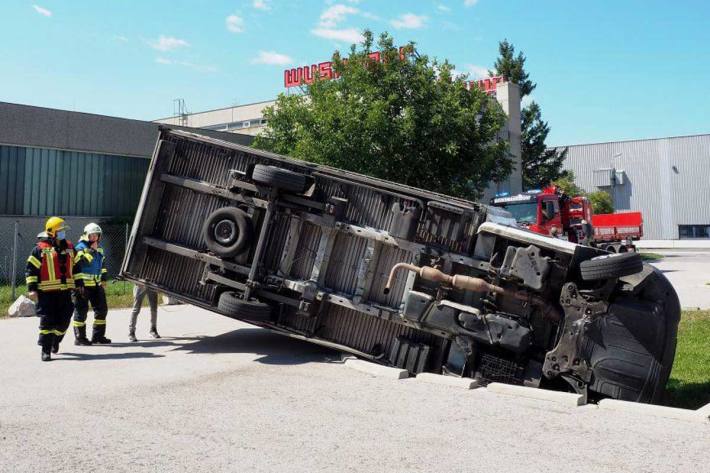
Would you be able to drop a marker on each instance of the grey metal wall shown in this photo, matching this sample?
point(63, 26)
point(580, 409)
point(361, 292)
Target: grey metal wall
point(41, 181)
point(667, 179)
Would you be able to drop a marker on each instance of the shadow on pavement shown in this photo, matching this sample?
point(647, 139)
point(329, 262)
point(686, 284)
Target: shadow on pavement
point(152, 343)
point(102, 356)
point(276, 349)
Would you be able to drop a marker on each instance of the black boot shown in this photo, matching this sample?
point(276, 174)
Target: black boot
point(99, 335)
point(47, 344)
point(154, 332)
point(132, 336)
point(55, 345)
point(80, 336)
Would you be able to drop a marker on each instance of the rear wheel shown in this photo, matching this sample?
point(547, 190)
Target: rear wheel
point(233, 305)
point(279, 178)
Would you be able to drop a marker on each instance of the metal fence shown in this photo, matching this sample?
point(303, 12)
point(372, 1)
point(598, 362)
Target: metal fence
point(19, 236)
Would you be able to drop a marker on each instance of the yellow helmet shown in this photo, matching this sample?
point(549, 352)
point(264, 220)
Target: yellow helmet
point(53, 225)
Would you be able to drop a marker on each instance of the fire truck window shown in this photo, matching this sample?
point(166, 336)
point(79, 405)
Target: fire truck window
point(548, 210)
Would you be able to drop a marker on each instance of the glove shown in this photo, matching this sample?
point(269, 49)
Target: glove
point(80, 291)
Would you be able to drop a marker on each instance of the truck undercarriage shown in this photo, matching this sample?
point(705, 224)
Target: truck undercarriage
point(397, 275)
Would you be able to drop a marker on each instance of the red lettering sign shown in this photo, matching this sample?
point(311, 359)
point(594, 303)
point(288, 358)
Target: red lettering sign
point(308, 74)
point(487, 85)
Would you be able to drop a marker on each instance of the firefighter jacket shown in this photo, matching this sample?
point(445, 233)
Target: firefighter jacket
point(90, 264)
point(50, 266)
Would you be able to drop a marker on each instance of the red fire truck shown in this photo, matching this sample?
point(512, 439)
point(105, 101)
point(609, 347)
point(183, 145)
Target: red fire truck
point(552, 212)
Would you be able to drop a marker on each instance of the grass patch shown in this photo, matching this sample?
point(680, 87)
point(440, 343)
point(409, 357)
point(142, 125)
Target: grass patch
point(689, 384)
point(651, 256)
point(119, 294)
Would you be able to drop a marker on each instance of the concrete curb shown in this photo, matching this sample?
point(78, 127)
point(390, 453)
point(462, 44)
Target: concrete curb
point(453, 381)
point(567, 399)
point(653, 410)
point(375, 369)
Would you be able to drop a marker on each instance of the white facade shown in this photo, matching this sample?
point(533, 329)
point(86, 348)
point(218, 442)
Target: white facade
point(244, 119)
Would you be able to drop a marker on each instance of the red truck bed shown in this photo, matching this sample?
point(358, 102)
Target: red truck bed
point(618, 226)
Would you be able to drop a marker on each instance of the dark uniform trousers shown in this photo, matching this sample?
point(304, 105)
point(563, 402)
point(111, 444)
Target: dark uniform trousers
point(54, 309)
point(96, 296)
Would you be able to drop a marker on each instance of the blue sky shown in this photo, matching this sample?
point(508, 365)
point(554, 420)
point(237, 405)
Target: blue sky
point(606, 70)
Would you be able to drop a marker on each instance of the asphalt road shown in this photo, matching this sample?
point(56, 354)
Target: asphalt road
point(218, 395)
point(689, 272)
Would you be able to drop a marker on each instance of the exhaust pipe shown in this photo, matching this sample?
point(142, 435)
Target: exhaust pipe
point(466, 283)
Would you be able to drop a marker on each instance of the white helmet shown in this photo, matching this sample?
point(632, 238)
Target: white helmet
point(92, 228)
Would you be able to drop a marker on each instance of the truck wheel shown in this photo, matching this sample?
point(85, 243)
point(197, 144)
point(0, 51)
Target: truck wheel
point(231, 304)
point(227, 231)
point(610, 266)
point(279, 178)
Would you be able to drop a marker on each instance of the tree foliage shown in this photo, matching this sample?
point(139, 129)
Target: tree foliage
point(602, 202)
point(405, 119)
point(567, 185)
point(512, 68)
point(540, 165)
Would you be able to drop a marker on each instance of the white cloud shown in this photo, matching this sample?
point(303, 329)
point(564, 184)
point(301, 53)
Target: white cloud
point(271, 57)
point(349, 35)
point(335, 14)
point(409, 21)
point(235, 23)
point(261, 5)
point(120, 38)
point(42, 11)
point(168, 43)
point(470, 3)
point(197, 67)
point(443, 8)
point(370, 16)
point(476, 72)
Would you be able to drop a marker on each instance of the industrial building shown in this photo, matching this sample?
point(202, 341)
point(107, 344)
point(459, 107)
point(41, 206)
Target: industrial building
point(81, 166)
point(666, 179)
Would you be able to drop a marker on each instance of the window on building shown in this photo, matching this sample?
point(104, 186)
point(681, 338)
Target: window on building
point(693, 231)
point(262, 121)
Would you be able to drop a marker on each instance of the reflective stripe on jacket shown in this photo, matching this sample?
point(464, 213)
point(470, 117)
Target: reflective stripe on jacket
point(90, 263)
point(50, 267)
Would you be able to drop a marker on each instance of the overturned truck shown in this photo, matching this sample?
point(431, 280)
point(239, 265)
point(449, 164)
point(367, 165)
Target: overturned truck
point(398, 275)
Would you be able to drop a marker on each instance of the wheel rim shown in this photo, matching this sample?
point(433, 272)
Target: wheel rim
point(225, 232)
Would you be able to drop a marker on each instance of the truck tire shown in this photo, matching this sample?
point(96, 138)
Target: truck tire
point(227, 232)
point(232, 305)
point(610, 266)
point(279, 178)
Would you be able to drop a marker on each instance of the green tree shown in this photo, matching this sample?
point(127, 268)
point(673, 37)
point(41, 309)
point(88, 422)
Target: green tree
point(602, 202)
point(541, 165)
point(406, 119)
point(512, 68)
point(567, 185)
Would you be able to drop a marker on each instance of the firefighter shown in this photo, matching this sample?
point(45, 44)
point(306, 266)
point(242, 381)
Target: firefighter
point(91, 271)
point(50, 281)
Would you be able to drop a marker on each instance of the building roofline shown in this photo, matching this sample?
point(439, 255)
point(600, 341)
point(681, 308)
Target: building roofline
point(73, 111)
point(217, 109)
point(631, 141)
